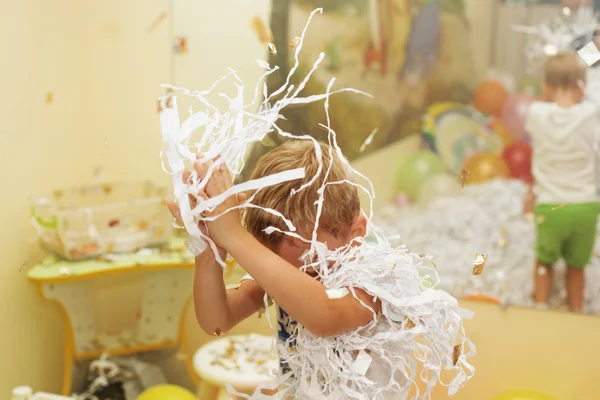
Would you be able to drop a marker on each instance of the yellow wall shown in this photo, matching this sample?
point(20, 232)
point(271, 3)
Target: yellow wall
point(104, 70)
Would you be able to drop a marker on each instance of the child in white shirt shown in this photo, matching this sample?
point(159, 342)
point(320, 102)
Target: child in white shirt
point(563, 131)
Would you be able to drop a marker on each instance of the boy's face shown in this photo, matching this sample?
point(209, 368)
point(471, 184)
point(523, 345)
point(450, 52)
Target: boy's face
point(290, 249)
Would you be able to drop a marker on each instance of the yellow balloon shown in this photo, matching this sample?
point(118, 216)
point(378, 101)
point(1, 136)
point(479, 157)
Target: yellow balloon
point(166, 392)
point(524, 395)
point(483, 167)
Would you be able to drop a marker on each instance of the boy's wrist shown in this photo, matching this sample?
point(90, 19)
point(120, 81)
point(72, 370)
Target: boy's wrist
point(233, 238)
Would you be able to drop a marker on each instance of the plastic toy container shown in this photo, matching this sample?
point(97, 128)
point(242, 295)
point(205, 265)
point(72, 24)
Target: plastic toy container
point(90, 221)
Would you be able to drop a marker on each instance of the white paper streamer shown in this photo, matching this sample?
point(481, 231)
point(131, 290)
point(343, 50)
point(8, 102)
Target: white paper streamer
point(411, 342)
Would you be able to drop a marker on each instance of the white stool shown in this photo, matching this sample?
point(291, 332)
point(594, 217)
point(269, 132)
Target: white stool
point(244, 362)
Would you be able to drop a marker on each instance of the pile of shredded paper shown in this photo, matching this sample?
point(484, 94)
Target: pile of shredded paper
point(486, 219)
point(418, 335)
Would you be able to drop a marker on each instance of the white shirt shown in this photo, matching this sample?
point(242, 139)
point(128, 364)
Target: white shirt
point(564, 142)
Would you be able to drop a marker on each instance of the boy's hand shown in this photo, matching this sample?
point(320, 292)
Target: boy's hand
point(226, 225)
point(207, 254)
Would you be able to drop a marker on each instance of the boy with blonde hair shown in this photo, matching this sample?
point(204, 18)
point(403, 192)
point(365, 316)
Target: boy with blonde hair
point(563, 129)
point(272, 261)
point(349, 319)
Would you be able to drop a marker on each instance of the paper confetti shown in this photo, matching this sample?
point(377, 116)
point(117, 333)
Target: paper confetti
point(479, 264)
point(560, 206)
point(589, 54)
point(368, 140)
point(261, 30)
point(464, 174)
point(272, 48)
point(295, 42)
point(456, 353)
point(157, 21)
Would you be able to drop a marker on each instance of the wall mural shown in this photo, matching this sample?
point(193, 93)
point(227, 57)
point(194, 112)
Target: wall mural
point(408, 54)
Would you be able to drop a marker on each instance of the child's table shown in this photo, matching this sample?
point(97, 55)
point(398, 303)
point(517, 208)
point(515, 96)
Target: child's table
point(167, 275)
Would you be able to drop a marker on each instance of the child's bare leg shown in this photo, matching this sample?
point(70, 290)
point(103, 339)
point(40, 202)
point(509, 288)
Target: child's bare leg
point(575, 284)
point(543, 282)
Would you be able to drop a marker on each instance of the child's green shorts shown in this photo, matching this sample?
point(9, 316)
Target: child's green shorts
point(568, 232)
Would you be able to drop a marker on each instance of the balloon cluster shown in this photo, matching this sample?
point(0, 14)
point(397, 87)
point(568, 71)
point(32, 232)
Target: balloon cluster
point(468, 145)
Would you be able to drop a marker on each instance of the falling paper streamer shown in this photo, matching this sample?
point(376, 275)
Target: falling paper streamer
point(261, 30)
point(405, 283)
point(589, 54)
point(368, 140)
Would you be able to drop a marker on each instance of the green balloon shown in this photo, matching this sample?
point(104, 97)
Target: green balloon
point(416, 169)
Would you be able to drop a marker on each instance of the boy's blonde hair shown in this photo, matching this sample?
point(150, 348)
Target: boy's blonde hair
point(341, 203)
point(565, 70)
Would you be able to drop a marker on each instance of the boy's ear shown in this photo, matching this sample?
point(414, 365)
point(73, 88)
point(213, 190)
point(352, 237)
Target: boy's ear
point(358, 227)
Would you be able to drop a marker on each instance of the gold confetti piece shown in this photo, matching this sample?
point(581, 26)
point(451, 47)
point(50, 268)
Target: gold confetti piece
point(409, 324)
point(502, 242)
point(49, 98)
point(295, 42)
point(542, 271)
point(479, 264)
point(456, 353)
point(143, 225)
point(272, 48)
point(560, 206)
point(540, 219)
point(106, 141)
point(168, 104)
point(261, 30)
point(464, 174)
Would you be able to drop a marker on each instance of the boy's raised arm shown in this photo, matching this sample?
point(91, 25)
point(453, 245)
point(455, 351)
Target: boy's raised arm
point(302, 297)
point(218, 309)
